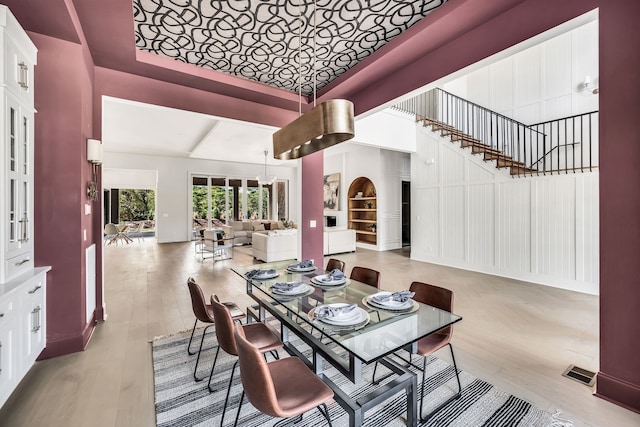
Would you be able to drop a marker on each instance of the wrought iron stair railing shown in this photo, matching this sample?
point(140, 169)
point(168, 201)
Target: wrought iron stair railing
point(543, 148)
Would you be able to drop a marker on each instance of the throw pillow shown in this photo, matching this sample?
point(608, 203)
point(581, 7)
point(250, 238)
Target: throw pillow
point(267, 226)
point(257, 226)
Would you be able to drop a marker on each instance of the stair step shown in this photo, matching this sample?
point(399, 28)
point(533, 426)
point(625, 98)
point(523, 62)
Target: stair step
point(519, 170)
point(481, 149)
point(477, 146)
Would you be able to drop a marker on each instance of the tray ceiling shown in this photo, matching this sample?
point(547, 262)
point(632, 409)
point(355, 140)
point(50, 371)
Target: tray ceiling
point(272, 41)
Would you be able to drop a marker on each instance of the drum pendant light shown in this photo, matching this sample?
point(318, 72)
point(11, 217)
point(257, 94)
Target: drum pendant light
point(329, 123)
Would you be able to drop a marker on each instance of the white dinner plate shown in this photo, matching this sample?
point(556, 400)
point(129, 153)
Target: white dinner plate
point(292, 268)
point(393, 305)
point(265, 276)
point(298, 290)
point(318, 280)
point(354, 317)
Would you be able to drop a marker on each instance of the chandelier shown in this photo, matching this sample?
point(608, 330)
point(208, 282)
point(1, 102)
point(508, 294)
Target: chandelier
point(265, 179)
point(326, 124)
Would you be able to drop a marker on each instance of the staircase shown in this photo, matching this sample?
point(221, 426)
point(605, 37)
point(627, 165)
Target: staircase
point(555, 146)
point(477, 147)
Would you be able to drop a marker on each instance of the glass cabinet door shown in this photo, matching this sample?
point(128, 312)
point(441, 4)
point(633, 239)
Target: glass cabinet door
point(18, 179)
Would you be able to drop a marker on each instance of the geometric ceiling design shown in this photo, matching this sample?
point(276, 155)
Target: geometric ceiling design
point(272, 42)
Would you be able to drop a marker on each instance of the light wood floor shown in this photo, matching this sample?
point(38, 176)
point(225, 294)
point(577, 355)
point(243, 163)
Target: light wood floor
point(518, 336)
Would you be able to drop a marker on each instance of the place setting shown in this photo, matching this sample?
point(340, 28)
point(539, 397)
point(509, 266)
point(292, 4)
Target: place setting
point(341, 316)
point(335, 279)
point(290, 289)
point(304, 266)
point(395, 302)
point(264, 274)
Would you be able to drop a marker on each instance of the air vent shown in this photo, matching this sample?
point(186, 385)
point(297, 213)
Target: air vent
point(581, 375)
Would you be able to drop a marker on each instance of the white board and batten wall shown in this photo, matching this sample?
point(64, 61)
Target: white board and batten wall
point(468, 214)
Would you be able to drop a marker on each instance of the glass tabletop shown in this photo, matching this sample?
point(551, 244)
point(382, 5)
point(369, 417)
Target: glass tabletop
point(379, 333)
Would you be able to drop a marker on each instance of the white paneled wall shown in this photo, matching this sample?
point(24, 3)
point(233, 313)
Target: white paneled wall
point(468, 214)
point(541, 83)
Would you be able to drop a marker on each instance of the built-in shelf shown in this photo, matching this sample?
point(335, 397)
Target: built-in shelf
point(363, 210)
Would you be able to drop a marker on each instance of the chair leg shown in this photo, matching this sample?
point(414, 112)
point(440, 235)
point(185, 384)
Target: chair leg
point(455, 367)
point(235, 423)
point(200, 351)
point(226, 399)
point(445, 403)
point(373, 379)
point(424, 371)
point(325, 412)
point(215, 359)
point(193, 331)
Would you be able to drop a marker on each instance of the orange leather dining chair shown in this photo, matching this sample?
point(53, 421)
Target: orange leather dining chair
point(366, 275)
point(283, 388)
point(258, 334)
point(335, 263)
point(441, 298)
point(204, 313)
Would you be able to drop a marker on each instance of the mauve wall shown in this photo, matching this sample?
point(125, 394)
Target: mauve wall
point(62, 171)
point(312, 198)
point(619, 376)
point(63, 100)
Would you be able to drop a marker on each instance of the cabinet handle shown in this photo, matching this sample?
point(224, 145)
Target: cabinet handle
point(17, 264)
point(35, 316)
point(33, 291)
point(24, 229)
point(23, 78)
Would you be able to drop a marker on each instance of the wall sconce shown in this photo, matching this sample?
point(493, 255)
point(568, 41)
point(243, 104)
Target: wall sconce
point(587, 85)
point(94, 156)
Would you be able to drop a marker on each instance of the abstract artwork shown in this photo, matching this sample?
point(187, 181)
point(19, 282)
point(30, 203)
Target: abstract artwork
point(332, 192)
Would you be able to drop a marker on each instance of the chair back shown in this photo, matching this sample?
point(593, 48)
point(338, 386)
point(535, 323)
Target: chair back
point(224, 326)
point(434, 296)
point(335, 263)
point(110, 229)
point(256, 377)
point(366, 275)
point(198, 302)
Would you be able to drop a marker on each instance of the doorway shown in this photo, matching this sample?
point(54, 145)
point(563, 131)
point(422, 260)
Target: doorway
point(406, 213)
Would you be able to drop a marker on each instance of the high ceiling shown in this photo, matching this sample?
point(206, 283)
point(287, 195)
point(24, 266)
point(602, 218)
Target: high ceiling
point(289, 44)
point(369, 51)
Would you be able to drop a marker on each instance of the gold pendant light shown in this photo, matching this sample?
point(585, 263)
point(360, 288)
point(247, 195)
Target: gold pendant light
point(326, 124)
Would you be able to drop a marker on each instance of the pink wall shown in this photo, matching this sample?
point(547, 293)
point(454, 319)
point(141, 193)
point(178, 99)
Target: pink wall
point(312, 207)
point(619, 376)
point(62, 85)
point(63, 100)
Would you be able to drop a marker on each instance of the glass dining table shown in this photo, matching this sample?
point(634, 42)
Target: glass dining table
point(347, 346)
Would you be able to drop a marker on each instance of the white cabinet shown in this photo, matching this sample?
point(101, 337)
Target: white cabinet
point(23, 327)
point(7, 338)
point(338, 240)
point(22, 287)
point(16, 154)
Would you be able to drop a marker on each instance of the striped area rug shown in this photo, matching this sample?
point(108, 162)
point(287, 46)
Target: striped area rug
point(180, 401)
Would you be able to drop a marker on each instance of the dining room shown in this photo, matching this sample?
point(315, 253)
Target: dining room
point(516, 336)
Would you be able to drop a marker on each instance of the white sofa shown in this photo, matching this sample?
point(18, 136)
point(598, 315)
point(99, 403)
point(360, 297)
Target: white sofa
point(276, 245)
point(337, 240)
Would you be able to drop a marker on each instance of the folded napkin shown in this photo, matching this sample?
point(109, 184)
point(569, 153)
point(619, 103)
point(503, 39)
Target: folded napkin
point(285, 286)
point(402, 296)
point(327, 312)
point(253, 273)
point(307, 263)
point(333, 276)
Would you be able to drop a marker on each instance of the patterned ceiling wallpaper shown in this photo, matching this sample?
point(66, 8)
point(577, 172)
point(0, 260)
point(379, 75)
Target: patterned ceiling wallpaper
point(260, 39)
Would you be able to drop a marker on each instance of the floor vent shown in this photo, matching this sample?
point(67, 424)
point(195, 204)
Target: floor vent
point(581, 375)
